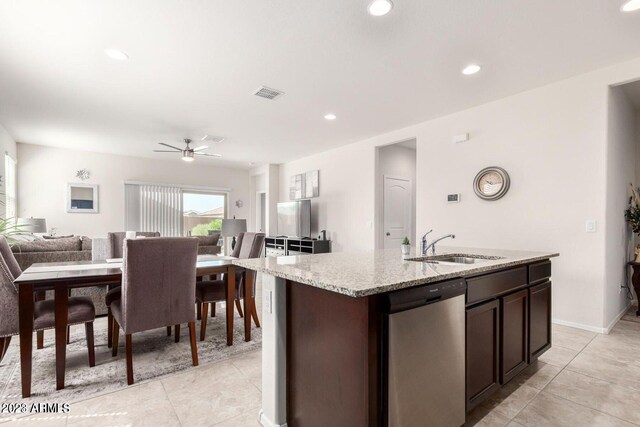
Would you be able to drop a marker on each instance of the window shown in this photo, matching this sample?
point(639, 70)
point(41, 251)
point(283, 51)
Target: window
point(202, 212)
point(10, 192)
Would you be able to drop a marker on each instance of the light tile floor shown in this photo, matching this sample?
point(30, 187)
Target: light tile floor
point(586, 379)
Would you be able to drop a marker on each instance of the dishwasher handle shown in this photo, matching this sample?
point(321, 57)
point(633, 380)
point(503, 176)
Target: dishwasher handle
point(407, 299)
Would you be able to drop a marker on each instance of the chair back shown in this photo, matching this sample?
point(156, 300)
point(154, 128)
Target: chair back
point(116, 238)
point(8, 302)
point(158, 282)
point(251, 245)
point(9, 258)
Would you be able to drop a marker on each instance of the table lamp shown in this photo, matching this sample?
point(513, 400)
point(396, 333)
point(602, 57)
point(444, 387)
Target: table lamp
point(32, 225)
point(233, 227)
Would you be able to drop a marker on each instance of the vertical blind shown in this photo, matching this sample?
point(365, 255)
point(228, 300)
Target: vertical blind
point(153, 208)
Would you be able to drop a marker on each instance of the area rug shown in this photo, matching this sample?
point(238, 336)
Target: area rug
point(155, 355)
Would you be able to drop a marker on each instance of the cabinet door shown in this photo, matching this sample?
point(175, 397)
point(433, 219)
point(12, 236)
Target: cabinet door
point(514, 334)
point(483, 344)
point(539, 320)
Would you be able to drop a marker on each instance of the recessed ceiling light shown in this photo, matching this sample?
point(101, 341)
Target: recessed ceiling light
point(470, 69)
point(380, 7)
point(630, 6)
point(116, 54)
point(330, 116)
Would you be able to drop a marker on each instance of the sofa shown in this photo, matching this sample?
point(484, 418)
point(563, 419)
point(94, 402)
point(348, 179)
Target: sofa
point(68, 248)
point(208, 245)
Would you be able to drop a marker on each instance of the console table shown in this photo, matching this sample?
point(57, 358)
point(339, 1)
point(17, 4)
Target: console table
point(283, 246)
point(635, 279)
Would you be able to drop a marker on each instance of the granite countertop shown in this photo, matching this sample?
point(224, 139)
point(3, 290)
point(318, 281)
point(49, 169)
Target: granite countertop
point(360, 274)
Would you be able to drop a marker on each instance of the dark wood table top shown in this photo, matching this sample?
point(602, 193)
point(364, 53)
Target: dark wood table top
point(51, 272)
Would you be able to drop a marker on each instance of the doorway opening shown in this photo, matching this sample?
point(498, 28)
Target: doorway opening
point(396, 194)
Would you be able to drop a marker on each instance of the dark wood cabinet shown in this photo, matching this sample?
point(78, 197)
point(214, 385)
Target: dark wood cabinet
point(514, 334)
point(539, 319)
point(483, 352)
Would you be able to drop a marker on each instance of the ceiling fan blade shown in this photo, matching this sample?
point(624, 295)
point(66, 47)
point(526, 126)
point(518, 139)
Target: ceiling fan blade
point(200, 148)
point(209, 155)
point(164, 151)
point(170, 146)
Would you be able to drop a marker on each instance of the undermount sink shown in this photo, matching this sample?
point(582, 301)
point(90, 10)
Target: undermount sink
point(455, 259)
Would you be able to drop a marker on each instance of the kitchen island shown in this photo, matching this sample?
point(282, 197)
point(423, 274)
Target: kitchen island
point(333, 325)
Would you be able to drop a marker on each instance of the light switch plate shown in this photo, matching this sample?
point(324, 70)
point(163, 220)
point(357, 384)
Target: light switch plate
point(268, 306)
point(591, 226)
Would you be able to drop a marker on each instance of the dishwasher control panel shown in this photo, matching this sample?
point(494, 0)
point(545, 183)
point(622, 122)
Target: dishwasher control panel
point(406, 299)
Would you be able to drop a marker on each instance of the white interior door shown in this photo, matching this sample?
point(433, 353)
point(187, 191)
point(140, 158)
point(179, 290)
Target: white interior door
point(397, 211)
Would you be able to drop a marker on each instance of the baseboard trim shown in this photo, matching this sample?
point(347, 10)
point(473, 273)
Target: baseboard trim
point(266, 422)
point(594, 328)
point(618, 317)
point(578, 325)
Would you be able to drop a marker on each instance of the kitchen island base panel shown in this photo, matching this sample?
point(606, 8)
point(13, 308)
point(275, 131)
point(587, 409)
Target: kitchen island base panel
point(274, 361)
point(333, 346)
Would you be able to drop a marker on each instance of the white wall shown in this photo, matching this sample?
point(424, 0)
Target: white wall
point(43, 174)
point(552, 141)
point(398, 161)
point(7, 145)
point(621, 159)
point(265, 179)
point(345, 207)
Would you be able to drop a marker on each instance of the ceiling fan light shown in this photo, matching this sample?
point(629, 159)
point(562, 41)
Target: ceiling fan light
point(187, 156)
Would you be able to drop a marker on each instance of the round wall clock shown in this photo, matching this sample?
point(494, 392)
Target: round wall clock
point(491, 183)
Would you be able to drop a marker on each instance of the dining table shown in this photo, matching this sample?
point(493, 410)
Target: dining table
point(60, 277)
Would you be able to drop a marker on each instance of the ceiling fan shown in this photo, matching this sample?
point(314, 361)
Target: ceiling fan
point(188, 153)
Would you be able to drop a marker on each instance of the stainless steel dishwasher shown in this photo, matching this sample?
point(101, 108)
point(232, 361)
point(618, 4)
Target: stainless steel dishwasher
point(425, 338)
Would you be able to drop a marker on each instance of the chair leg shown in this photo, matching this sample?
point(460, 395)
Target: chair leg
point(109, 327)
point(239, 307)
point(203, 323)
point(199, 311)
point(177, 333)
point(88, 330)
point(194, 347)
point(68, 334)
point(168, 331)
point(254, 312)
point(213, 309)
point(4, 346)
point(116, 337)
point(40, 296)
point(40, 340)
point(127, 344)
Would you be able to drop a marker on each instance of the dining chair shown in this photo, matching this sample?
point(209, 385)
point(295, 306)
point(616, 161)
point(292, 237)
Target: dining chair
point(248, 245)
point(115, 242)
point(158, 285)
point(15, 270)
point(81, 310)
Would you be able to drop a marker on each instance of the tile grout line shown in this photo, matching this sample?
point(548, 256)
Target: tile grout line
point(554, 377)
point(173, 408)
point(570, 400)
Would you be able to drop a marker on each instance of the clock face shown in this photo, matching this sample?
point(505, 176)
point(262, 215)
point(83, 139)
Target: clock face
point(491, 183)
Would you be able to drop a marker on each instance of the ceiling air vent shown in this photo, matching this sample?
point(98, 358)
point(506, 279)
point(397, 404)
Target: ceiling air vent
point(268, 93)
point(212, 138)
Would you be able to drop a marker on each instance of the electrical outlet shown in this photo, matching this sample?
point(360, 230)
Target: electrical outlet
point(268, 306)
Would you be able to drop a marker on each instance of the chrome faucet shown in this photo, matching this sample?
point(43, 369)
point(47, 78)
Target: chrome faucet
point(433, 244)
point(423, 243)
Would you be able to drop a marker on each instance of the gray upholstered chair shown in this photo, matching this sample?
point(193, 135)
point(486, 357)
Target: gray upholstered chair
point(81, 309)
point(158, 285)
point(115, 241)
point(248, 245)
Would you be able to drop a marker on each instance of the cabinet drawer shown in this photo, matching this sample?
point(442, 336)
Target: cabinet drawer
point(495, 284)
point(539, 272)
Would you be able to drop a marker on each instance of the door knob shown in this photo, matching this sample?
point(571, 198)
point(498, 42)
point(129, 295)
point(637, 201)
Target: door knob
point(388, 234)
